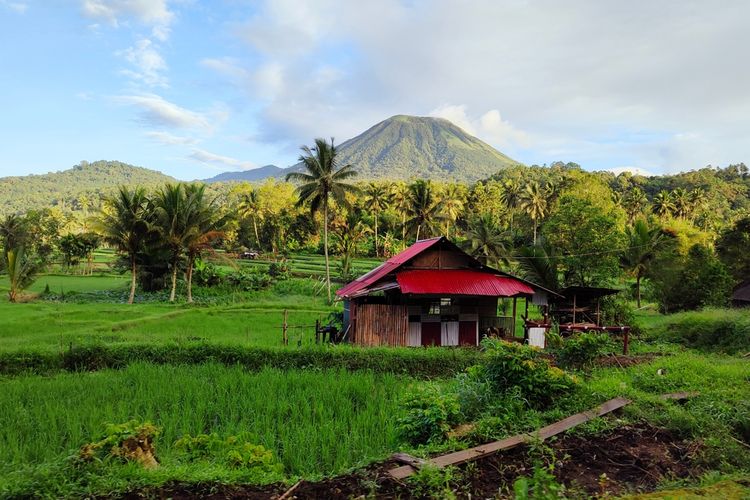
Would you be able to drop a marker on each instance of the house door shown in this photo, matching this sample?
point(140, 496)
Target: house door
point(449, 334)
point(431, 333)
point(467, 333)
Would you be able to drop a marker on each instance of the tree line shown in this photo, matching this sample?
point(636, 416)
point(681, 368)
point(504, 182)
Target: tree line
point(683, 236)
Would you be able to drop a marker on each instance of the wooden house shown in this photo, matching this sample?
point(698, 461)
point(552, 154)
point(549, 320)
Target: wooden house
point(432, 293)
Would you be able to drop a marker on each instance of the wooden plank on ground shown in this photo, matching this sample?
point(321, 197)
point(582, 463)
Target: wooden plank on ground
point(484, 450)
point(679, 396)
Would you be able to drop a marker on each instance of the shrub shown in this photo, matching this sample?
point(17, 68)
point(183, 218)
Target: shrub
point(507, 366)
point(249, 281)
point(234, 451)
point(279, 270)
point(129, 442)
point(429, 415)
point(717, 330)
point(583, 348)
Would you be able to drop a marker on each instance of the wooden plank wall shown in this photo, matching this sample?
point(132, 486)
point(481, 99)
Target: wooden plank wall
point(382, 324)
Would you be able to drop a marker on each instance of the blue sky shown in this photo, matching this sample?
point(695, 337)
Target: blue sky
point(194, 87)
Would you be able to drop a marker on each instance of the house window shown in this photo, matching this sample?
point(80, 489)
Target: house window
point(437, 306)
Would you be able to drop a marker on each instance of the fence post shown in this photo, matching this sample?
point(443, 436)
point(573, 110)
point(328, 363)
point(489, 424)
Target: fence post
point(285, 337)
point(317, 331)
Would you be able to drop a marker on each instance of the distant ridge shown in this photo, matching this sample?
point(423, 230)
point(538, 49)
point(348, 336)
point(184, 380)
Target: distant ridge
point(64, 188)
point(254, 174)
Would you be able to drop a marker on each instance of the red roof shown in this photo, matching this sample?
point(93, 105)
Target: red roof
point(460, 282)
point(386, 267)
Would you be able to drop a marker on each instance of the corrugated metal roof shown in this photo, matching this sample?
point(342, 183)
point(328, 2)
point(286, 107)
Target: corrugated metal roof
point(386, 267)
point(460, 282)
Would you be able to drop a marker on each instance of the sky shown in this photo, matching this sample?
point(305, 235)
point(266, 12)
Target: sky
point(198, 87)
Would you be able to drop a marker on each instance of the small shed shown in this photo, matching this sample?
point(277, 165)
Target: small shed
point(741, 295)
point(432, 293)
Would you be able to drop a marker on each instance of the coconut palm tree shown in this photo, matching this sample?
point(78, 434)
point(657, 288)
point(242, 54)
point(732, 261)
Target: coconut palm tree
point(171, 213)
point(322, 181)
point(698, 200)
point(486, 241)
point(423, 208)
point(634, 202)
point(534, 203)
point(452, 205)
point(643, 243)
point(510, 196)
point(540, 265)
point(203, 221)
point(400, 200)
point(377, 198)
point(20, 267)
point(682, 202)
point(249, 206)
point(663, 205)
point(125, 224)
point(348, 235)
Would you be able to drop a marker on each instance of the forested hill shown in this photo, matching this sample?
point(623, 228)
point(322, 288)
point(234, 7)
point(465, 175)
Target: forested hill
point(72, 188)
point(412, 147)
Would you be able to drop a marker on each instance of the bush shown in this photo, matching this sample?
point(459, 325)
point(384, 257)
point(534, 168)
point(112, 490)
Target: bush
point(583, 348)
point(234, 451)
point(716, 330)
point(507, 366)
point(249, 281)
point(429, 414)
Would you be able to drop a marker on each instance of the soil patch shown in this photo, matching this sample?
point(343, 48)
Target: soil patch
point(633, 458)
point(623, 361)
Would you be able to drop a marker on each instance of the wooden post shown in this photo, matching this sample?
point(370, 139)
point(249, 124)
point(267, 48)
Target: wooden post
point(515, 300)
point(317, 331)
point(598, 314)
point(574, 311)
point(625, 341)
point(285, 337)
point(526, 318)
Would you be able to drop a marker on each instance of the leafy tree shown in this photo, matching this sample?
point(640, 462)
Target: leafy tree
point(19, 265)
point(534, 203)
point(76, 247)
point(323, 180)
point(423, 208)
point(486, 241)
point(125, 223)
point(733, 248)
point(588, 238)
point(642, 244)
point(348, 236)
point(377, 198)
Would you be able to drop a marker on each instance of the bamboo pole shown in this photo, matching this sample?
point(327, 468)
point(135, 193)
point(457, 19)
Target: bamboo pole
point(285, 337)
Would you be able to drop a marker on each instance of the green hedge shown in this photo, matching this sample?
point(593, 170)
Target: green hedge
point(714, 330)
point(417, 362)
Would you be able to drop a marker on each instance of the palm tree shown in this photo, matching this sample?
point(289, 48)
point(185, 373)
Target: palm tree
point(400, 199)
point(534, 203)
point(125, 224)
point(540, 265)
point(348, 235)
point(486, 241)
point(511, 197)
point(452, 205)
point(634, 202)
point(172, 222)
point(643, 243)
point(698, 200)
point(663, 205)
point(682, 202)
point(249, 206)
point(18, 264)
point(203, 221)
point(323, 180)
point(423, 209)
point(377, 198)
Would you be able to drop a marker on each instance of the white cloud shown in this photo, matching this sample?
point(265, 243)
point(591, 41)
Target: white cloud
point(608, 83)
point(170, 139)
point(631, 170)
point(149, 66)
point(17, 7)
point(154, 13)
point(214, 160)
point(155, 110)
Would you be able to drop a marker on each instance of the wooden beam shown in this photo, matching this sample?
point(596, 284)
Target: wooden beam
point(679, 396)
point(463, 456)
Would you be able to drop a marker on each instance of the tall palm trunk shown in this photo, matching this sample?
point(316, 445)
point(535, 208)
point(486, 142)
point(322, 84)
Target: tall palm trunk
point(255, 227)
point(325, 246)
point(534, 232)
point(638, 289)
point(133, 275)
point(189, 275)
point(376, 235)
point(403, 226)
point(174, 281)
point(419, 226)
